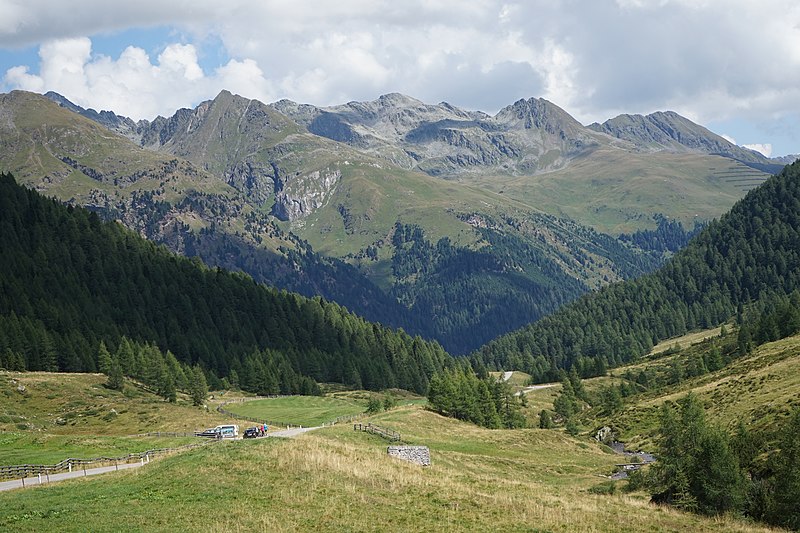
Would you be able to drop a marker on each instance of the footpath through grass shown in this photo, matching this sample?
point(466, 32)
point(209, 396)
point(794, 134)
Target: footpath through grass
point(300, 410)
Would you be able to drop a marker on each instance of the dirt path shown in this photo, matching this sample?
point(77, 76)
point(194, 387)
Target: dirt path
point(291, 432)
point(52, 478)
point(45, 480)
point(532, 388)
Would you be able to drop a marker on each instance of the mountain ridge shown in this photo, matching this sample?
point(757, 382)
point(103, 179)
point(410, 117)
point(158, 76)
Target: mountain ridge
point(365, 124)
point(344, 203)
point(667, 130)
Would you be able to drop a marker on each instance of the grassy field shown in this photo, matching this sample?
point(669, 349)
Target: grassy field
point(44, 449)
point(339, 480)
point(300, 410)
point(79, 404)
point(333, 479)
point(687, 340)
point(45, 418)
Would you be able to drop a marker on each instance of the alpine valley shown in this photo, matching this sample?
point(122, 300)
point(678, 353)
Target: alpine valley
point(455, 225)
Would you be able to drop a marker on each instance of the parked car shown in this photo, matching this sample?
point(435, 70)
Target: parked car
point(251, 433)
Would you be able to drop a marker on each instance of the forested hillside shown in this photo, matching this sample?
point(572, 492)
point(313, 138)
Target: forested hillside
point(752, 254)
point(69, 281)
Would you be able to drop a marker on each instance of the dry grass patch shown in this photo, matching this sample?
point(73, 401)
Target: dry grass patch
point(79, 404)
point(336, 479)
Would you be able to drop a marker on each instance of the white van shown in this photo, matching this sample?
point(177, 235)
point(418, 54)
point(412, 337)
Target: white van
point(228, 431)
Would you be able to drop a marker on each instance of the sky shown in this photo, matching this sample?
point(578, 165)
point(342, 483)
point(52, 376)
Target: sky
point(730, 65)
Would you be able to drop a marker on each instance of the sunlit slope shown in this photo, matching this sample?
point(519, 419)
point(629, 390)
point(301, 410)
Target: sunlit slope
point(336, 479)
point(618, 191)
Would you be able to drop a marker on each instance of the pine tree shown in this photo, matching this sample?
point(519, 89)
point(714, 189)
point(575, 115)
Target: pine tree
point(115, 378)
point(125, 357)
point(744, 340)
point(167, 389)
point(103, 359)
point(783, 508)
point(198, 387)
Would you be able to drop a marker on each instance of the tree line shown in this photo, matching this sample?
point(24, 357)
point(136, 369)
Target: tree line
point(69, 281)
point(751, 253)
point(472, 295)
point(458, 392)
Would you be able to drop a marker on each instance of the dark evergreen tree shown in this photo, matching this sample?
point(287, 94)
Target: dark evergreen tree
point(198, 387)
point(103, 359)
point(115, 379)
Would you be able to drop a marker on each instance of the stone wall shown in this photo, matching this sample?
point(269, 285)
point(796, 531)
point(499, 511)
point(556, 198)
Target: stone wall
point(420, 455)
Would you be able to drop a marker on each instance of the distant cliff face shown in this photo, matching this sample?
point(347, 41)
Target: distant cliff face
point(304, 194)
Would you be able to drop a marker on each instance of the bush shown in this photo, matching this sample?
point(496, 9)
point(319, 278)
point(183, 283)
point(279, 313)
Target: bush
point(607, 488)
point(374, 406)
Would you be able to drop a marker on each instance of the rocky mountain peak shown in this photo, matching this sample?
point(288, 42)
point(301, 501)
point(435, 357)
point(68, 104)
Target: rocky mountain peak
point(538, 113)
point(670, 131)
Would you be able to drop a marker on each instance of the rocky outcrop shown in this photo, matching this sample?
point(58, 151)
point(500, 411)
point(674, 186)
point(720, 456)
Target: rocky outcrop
point(302, 195)
point(420, 455)
point(254, 178)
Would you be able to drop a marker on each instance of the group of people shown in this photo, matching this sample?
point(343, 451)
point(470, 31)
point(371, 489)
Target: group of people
point(256, 431)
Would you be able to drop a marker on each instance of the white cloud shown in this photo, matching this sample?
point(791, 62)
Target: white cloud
point(728, 138)
point(763, 148)
point(20, 78)
point(133, 85)
point(706, 59)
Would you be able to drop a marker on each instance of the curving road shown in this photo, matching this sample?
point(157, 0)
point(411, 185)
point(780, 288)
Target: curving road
point(44, 480)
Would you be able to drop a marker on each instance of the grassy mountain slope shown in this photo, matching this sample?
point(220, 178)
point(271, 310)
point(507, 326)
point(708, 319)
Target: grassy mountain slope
point(759, 390)
point(619, 191)
point(750, 253)
point(336, 479)
point(79, 405)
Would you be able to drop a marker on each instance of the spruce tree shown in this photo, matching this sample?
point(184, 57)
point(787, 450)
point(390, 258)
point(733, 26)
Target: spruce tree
point(783, 509)
point(103, 359)
point(115, 378)
point(198, 387)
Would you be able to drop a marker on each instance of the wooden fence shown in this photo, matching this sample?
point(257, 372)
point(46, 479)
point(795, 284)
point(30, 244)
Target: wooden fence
point(386, 433)
point(23, 471)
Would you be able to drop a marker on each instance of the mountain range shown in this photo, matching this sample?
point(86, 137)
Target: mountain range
point(453, 224)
